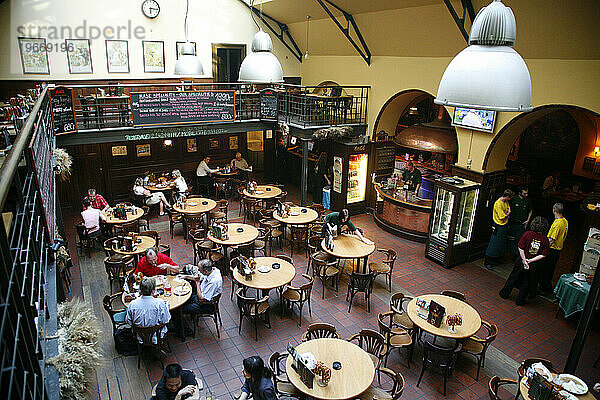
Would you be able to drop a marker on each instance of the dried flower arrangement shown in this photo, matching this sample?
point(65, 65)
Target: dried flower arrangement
point(63, 164)
point(333, 132)
point(78, 349)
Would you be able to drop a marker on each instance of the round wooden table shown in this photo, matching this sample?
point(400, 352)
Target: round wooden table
point(235, 238)
point(470, 317)
point(263, 192)
point(524, 390)
point(355, 376)
point(158, 187)
point(302, 218)
point(145, 244)
point(173, 301)
point(131, 216)
point(225, 174)
point(275, 278)
point(195, 206)
point(350, 247)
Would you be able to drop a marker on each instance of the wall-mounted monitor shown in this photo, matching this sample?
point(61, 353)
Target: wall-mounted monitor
point(472, 118)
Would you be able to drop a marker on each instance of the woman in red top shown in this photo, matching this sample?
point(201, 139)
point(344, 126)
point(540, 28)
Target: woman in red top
point(533, 247)
point(154, 263)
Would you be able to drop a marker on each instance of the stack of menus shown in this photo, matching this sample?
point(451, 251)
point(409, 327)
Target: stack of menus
point(436, 314)
point(306, 375)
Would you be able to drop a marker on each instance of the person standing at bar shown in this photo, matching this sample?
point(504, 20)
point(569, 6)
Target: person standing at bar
point(203, 172)
point(320, 178)
point(412, 177)
point(520, 216)
point(556, 235)
point(497, 245)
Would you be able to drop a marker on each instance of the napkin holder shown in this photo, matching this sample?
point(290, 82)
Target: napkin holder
point(539, 388)
point(306, 374)
point(436, 314)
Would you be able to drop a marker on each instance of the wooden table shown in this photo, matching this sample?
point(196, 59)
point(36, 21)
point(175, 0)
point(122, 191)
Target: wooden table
point(235, 238)
point(301, 219)
point(275, 278)
point(197, 206)
point(355, 376)
point(470, 317)
point(156, 187)
point(225, 174)
point(263, 192)
point(524, 389)
point(173, 301)
point(350, 247)
point(145, 244)
point(133, 216)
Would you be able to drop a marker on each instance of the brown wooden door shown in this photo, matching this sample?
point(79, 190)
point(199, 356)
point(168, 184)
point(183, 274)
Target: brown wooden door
point(86, 172)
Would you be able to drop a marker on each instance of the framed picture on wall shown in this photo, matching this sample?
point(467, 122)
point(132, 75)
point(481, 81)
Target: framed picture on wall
point(192, 145)
point(213, 144)
point(178, 49)
point(233, 142)
point(117, 56)
point(588, 163)
point(154, 56)
point(34, 55)
point(143, 150)
point(79, 56)
point(119, 150)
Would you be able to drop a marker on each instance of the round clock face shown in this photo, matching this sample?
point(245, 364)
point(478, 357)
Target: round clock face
point(150, 8)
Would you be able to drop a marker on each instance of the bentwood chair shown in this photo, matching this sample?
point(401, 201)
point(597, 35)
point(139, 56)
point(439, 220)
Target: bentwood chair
point(391, 388)
point(528, 363)
point(85, 241)
point(281, 382)
point(299, 296)
point(261, 242)
point(314, 250)
point(320, 330)
point(146, 334)
point(254, 309)
point(153, 234)
point(192, 222)
point(386, 267)
point(477, 346)
point(215, 314)
point(275, 231)
point(117, 315)
point(443, 358)
point(372, 342)
point(219, 214)
point(298, 237)
point(453, 293)
point(496, 383)
point(395, 338)
point(175, 218)
point(326, 271)
point(117, 271)
point(360, 283)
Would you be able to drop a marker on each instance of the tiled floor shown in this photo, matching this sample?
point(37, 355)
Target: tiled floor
point(530, 331)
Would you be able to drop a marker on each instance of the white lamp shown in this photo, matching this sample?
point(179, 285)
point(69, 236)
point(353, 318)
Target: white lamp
point(489, 74)
point(188, 63)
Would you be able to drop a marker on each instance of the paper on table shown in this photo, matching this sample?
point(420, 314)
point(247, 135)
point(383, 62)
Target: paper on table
point(367, 241)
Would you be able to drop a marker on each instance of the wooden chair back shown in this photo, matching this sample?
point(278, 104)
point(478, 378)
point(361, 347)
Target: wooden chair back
point(496, 383)
point(442, 357)
point(454, 294)
point(107, 302)
point(285, 258)
point(153, 234)
point(399, 301)
point(321, 330)
point(361, 282)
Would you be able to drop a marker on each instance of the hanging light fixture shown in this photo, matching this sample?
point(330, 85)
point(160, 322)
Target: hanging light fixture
point(260, 65)
point(307, 26)
point(188, 63)
point(489, 74)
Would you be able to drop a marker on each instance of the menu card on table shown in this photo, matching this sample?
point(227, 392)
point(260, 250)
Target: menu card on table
point(306, 375)
point(436, 314)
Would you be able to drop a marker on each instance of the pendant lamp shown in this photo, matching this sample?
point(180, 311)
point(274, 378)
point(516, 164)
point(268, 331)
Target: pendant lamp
point(261, 65)
point(188, 63)
point(489, 74)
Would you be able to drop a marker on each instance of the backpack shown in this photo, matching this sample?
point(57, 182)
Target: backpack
point(125, 343)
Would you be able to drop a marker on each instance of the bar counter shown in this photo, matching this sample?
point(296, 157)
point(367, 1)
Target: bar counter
point(408, 219)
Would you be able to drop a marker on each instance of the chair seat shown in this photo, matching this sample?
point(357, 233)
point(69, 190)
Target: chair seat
point(121, 258)
point(472, 346)
point(217, 215)
point(177, 218)
point(259, 244)
point(331, 271)
point(276, 233)
point(262, 308)
point(375, 393)
point(214, 256)
point(375, 359)
point(400, 340)
point(287, 389)
point(320, 255)
point(119, 317)
point(380, 268)
point(403, 320)
point(291, 295)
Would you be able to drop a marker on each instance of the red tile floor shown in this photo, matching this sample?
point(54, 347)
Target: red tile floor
point(530, 331)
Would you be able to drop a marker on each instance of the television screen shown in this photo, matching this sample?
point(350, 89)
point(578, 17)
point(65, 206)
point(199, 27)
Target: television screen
point(480, 120)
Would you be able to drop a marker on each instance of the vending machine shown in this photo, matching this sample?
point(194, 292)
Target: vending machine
point(350, 176)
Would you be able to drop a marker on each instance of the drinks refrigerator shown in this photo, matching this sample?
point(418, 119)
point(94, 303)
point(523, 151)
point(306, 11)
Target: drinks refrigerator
point(451, 224)
point(350, 177)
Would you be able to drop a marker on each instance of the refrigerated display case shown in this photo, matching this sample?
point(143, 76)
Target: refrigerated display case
point(350, 176)
point(451, 226)
point(357, 177)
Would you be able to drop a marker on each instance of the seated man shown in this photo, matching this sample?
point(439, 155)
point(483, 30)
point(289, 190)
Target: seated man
point(241, 166)
point(155, 263)
point(147, 311)
point(91, 218)
point(98, 202)
point(209, 283)
point(176, 384)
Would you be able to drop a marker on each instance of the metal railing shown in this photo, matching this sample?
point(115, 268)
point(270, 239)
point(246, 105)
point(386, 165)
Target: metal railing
point(28, 292)
point(109, 106)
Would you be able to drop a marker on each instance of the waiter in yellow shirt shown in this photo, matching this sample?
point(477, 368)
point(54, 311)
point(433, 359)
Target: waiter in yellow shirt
point(497, 245)
point(556, 236)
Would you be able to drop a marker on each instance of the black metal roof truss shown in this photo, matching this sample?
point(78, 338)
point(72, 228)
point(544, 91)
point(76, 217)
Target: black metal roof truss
point(460, 21)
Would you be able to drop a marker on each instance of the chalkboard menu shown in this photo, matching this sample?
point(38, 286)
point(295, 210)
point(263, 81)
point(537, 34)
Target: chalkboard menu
point(268, 104)
point(40, 157)
point(161, 108)
point(63, 112)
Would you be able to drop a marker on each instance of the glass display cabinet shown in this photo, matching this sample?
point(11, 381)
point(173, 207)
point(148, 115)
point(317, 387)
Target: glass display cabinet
point(350, 176)
point(451, 226)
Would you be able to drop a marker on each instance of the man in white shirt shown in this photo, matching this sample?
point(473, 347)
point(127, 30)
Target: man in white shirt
point(209, 283)
point(241, 166)
point(148, 311)
point(92, 217)
point(203, 173)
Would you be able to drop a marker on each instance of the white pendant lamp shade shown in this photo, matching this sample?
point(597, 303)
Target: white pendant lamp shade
point(188, 64)
point(261, 65)
point(489, 74)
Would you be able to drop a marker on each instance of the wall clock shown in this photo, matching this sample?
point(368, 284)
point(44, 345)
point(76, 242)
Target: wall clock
point(150, 8)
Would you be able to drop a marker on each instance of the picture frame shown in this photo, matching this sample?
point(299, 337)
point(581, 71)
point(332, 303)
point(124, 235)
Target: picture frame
point(588, 163)
point(79, 56)
point(119, 151)
point(154, 55)
point(597, 168)
point(34, 56)
point(192, 145)
point(143, 150)
point(117, 56)
point(213, 144)
point(233, 143)
point(178, 49)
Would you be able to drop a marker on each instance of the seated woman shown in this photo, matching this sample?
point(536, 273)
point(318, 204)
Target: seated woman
point(149, 197)
point(258, 380)
point(181, 186)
